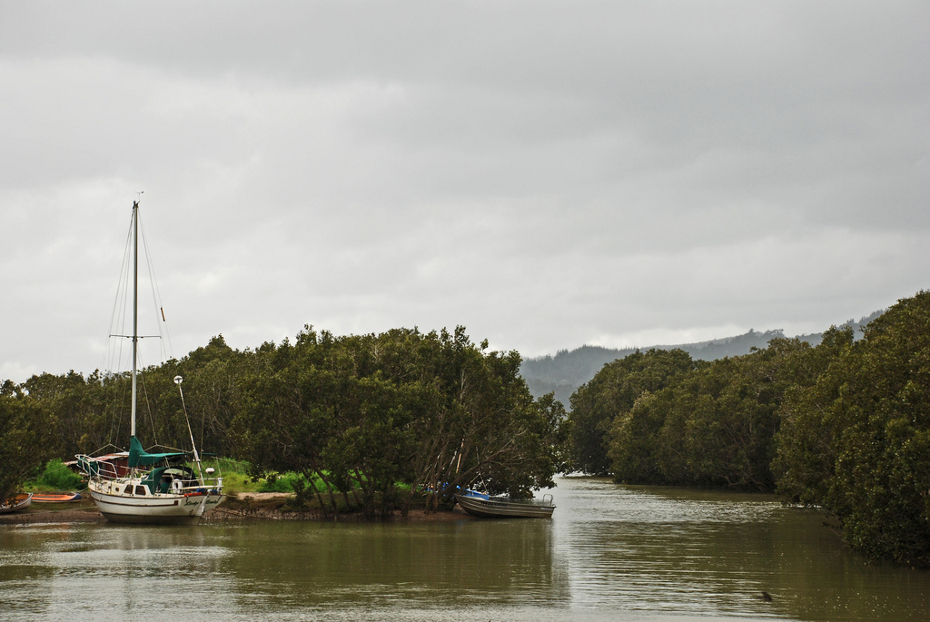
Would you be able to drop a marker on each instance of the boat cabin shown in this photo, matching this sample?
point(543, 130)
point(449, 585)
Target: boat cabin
point(171, 479)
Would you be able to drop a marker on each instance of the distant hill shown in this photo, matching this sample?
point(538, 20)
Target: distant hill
point(569, 369)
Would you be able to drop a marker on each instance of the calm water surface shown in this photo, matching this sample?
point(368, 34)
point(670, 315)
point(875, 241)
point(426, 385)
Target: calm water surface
point(610, 552)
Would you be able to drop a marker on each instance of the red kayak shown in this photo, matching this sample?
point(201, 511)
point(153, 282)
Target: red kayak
point(55, 497)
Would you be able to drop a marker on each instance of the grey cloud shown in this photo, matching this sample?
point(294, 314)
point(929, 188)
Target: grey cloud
point(546, 173)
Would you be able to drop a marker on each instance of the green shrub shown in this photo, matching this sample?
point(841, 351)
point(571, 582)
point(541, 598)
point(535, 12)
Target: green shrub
point(57, 476)
point(282, 483)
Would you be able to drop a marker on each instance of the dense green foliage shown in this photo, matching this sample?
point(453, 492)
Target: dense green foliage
point(373, 418)
point(714, 426)
point(844, 425)
point(363, 413)
point(614, 390)
point(858, 441)
point(56, 477)
point(23, 432)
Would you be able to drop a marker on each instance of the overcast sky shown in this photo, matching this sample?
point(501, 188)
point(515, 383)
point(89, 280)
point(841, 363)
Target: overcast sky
point(547, 174)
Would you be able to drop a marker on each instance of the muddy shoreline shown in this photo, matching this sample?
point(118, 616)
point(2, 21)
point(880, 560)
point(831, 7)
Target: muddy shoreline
point(243, 507)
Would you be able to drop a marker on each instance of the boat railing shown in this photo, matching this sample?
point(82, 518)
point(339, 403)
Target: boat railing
point(94, 467)
point(209, 485)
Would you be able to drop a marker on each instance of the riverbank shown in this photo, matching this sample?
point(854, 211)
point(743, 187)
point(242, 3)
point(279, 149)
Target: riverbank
point(261, 506)
point(83, 511)
point(275, 506)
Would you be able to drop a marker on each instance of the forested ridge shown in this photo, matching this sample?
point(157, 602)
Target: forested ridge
point(844, 425)
point(377, 417)
point(563, 373)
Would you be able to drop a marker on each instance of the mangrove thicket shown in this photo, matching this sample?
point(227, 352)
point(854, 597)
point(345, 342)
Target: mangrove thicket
point(844, 425)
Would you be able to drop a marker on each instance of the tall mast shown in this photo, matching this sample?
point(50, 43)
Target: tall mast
point(135, 305)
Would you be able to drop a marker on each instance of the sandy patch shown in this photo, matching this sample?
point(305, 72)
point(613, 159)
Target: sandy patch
point(263, 496)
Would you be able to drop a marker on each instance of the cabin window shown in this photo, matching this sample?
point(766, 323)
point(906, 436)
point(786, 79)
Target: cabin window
point(140, 490)
point(127, 490)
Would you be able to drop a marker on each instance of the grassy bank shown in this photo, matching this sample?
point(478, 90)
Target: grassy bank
point(248, 495)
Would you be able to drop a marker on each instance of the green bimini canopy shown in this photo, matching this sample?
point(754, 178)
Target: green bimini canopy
point(139, 457)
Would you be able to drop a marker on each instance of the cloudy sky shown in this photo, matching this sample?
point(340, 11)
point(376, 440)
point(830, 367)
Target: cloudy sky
point(547, 174)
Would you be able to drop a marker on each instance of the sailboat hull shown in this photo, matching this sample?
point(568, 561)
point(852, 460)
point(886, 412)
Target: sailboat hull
point(168, 509)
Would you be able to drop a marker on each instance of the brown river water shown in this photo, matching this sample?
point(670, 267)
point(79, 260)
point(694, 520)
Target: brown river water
point(610, 552)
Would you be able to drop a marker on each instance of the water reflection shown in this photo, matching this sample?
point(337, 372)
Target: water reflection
point(104, 571)
point(682, 551)
point(609, 552)
point(380, 566)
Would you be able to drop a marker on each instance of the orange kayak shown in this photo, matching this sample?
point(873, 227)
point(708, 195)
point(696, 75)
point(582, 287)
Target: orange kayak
point(55, 497)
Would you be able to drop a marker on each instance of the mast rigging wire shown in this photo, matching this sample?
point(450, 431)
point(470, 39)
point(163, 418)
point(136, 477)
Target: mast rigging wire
point(115, 356)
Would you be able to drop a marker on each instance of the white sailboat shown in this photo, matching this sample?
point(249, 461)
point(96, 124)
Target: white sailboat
point(141, 487)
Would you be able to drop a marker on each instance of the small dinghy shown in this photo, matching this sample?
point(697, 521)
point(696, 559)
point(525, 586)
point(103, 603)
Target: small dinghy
point(502, 508)
point(16, 503)
point(55, 497)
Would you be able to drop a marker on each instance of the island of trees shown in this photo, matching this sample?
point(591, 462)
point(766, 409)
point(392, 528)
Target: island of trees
point(843, 425)
point(374, 418)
